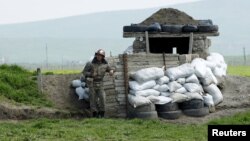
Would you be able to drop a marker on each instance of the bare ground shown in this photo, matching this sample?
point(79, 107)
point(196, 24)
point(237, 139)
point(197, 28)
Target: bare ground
point(66, 104)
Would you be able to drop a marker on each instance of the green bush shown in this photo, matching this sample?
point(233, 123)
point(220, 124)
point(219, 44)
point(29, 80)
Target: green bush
point(16, 84)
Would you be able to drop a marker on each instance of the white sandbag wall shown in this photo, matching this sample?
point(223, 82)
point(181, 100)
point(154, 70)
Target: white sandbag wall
point(193, 80)
point(135, 62)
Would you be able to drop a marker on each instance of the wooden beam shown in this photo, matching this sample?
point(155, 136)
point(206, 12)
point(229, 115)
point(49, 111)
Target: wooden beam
point(166, 35)
point(147, 42)
point(191, 39)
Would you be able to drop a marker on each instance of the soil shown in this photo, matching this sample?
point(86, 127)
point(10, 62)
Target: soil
point(66, 104)
point(170, 16)
point(58, 89)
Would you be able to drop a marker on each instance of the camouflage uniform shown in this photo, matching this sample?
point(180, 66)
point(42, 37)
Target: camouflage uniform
point(87, 74)
point(95, 80)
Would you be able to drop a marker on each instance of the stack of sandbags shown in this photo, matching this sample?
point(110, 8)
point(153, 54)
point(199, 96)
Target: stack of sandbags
point(80, 89)
point(196, 80)
point(144, 86)
point(217, 65)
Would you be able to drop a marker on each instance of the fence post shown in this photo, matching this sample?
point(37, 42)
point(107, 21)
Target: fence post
point(39, 80)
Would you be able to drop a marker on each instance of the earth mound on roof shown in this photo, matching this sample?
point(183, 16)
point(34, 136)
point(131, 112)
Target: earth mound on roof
point(170, 16)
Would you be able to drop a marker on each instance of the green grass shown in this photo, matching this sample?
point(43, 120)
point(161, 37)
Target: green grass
point(51, 72)
point(98, 129)
point(239, 70)
point(16, 84)
point(110, 129)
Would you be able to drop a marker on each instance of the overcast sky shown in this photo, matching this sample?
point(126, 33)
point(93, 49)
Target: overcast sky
point(18, 11)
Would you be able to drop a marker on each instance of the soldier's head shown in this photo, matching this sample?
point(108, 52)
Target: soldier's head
point(100, 54)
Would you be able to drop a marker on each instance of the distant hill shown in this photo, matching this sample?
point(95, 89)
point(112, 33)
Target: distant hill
point(76, 38)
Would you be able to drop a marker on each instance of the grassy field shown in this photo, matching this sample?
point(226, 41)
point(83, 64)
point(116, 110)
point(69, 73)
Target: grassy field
point(239, 70)
point(110, 129)
point(61, 72)
point(16, 84)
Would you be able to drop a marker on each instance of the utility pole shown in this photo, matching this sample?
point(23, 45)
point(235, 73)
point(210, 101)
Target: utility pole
point(47, 59)
point(244, 54)
point(62, 63)
point(110, 54)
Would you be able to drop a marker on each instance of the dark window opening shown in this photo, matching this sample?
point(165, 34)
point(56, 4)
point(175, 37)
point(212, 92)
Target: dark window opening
point(160, 45)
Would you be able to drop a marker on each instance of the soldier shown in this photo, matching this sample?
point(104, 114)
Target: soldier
point(95, 73)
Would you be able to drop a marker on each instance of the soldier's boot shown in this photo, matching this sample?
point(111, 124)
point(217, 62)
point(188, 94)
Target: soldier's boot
point(95, 115)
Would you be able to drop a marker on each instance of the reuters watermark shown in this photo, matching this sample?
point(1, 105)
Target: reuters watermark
point(241, 132)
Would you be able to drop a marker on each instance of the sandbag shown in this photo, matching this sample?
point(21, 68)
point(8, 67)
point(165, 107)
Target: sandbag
point(208, 100)
point(192, 79)
point(156, 87)
point(137, 101)
point(216, 58)
point(83, 84)
point(147, 93)
point(219, 72)
point(194, 96)
point(166, 94)
point(161, 88)
point(182, 90)
point(215, 92)
point(163, 80)
point(181, 80)
point(81, 93)
point(132, 92)
point(138, 87)
point(220, 64)
point(86, 90)
point(76, 83)
point(209, 78)
point(181, 71)
point(148, 74)
point(178, 98)
point(173, 86)
point(199, 67)
point(210, 64)
point(153, 98)
point(159, 99)
point(193, 87)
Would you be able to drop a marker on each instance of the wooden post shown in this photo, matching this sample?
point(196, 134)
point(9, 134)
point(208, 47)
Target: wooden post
point(126, 81)
point(244, 54)
point(39, 80)
point(147, 42)
point(191, 40)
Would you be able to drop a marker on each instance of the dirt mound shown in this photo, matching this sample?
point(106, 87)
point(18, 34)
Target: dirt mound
point(10, 111)
point(169, 16)
point(58, 90)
